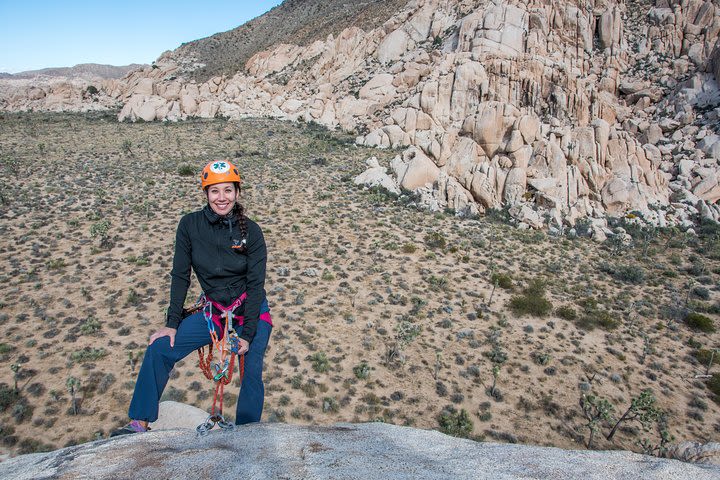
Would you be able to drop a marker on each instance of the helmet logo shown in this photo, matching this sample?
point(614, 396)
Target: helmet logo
point(219, 167)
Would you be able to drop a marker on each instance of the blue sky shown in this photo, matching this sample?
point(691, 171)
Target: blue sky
point(38, 34)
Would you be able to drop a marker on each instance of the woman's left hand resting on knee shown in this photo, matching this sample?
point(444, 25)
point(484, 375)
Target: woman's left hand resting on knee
point(164, 332)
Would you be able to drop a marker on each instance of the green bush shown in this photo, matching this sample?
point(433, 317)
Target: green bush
point(90, 326)
point(88, 354)
point(502, 280)
point(8, 396)
point(698, 321)
point(101, 229)
point(532, 301)
point(330, 405)
point(566, 312)
point(408, 247)
point(435, 240)
point(457, 424)
point(630, 274)
point(320, 362)
point(703, 355)
point(174, 395)
point(186, 170)
point(592, 316)
point(714, 384)
point(362, 370)
point(603, 318)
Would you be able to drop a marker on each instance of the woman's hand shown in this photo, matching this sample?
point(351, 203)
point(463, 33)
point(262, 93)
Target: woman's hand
point(244, 346)
point(164, 332)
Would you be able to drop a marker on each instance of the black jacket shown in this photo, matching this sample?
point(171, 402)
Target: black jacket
point(203, 242)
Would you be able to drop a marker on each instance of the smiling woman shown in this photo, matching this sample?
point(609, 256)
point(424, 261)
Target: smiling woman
point(227, 252)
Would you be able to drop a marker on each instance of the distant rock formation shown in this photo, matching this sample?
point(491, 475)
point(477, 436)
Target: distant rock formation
point(86, 71)
point(343, 451)
point(552, 111)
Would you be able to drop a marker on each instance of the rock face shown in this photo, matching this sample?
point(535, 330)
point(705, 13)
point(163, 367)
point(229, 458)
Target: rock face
point(342, 451)
point(696, 452)
point(174, 415)
point(552, 111)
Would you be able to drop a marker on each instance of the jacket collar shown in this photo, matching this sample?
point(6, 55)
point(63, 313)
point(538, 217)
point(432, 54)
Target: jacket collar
point(212, 216)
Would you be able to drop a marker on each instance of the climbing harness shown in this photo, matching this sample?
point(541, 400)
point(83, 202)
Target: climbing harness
point(227, 345)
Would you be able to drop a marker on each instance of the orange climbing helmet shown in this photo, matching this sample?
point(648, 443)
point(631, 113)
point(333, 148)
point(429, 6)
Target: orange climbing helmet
point(219, 171)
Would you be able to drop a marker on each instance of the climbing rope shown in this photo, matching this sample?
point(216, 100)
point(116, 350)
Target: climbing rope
point(220, 371)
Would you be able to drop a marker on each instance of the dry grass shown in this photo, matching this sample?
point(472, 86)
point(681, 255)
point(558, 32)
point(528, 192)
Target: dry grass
point(382, 312)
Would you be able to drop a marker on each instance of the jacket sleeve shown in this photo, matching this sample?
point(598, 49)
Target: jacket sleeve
point(256, 261)
point(180, 275)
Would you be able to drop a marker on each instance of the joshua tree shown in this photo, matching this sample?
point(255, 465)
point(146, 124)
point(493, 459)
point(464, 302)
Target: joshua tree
point(596, 410)
point(495, 374)
point(133, 360)
point(15, 367)
point(642, 408)
point(661, 448)
point(438, 361)
point(72, 386)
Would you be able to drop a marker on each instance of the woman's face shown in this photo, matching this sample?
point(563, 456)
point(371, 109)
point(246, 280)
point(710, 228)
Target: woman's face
point(221, 197)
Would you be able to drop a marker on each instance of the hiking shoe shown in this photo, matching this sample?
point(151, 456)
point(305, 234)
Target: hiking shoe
point(133, 427)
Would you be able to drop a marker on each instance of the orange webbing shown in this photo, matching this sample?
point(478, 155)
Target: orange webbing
point(206, 364)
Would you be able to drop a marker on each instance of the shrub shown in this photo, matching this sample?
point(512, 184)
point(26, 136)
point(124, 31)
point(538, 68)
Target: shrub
point(592, 316)
point(88, 354)
point(502, 280)
point(320, 362)
point(408, 247)
point(186, 170)
point(407, 332)
point(628, 274)
point(532, 301)
point(174, 394)
point(101, 228)
point(457, 424)
point(21, 411)
point(90, 326)
point(701, 292)
point(8, 396)
point(603, 318)
point(700, 322)
point(566, 312)
point(703, 355)
point(435, 240)
point(330, 405)
point(31, 445)
point(362, 370)
point(713, 384)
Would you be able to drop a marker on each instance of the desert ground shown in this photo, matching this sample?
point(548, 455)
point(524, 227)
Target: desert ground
point(382, 311)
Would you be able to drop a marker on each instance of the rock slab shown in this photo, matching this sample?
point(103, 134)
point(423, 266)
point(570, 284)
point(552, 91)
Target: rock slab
point(342, 451)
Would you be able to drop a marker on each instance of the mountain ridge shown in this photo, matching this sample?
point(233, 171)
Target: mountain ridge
point(88, 71)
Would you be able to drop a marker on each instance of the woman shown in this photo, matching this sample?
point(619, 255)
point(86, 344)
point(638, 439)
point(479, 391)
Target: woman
point(227, 252)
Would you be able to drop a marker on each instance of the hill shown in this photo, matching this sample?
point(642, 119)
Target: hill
point(299, 22)
point(87, 71)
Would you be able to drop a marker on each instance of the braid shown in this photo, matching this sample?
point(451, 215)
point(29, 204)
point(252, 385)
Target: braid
point(241, 219)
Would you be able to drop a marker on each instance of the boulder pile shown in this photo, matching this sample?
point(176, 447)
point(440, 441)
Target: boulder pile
point(555, 111)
